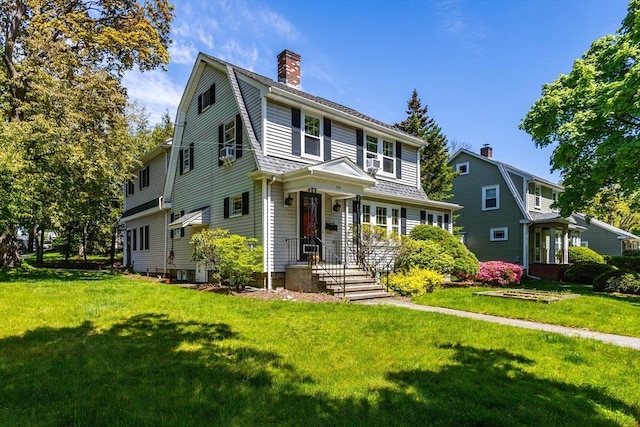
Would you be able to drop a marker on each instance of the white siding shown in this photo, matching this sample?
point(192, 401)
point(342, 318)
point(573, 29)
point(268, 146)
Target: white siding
point(151, 260)
point(343, 141)
point(409, 165)
point(253, 101)
point(157, 174)
point(278, 129)
point(284, 222)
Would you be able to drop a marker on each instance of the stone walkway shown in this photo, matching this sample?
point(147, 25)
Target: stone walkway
point(618, 340)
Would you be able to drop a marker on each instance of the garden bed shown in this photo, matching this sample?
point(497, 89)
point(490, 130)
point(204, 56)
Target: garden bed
point(528, 295)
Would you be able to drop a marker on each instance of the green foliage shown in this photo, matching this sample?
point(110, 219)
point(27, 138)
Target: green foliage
point(436, 175)
point(592, 114)
point(585, 272)
point(466, 264)
point(234, 257)
point(415, 282)
point(631, 252)
point(623, 281)
point(378, 248)
point(580, 254)
point(625, 262)
point(423, 254)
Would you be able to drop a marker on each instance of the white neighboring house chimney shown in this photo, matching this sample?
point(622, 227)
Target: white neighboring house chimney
point(486, 151)
point(289, 68)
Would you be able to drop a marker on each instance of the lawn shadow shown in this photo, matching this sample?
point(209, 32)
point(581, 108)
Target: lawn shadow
point(30, 274)
point(153, 370)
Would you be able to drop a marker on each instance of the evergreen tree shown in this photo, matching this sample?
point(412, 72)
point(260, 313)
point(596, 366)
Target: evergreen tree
point(436, 175)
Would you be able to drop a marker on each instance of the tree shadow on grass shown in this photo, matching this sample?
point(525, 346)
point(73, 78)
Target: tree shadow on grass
point(28, 275)
point(152, 370)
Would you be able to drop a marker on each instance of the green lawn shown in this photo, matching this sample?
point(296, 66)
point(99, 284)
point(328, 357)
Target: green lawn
point(89, 348)
point(593, 311)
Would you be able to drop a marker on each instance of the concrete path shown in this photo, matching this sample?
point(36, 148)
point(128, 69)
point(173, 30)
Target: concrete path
point(618, 340)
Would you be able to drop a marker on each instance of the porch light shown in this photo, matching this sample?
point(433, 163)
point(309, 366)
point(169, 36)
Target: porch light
point(336, 207)
point(288, 201)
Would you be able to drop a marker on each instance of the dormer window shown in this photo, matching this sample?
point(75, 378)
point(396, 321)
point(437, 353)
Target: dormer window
point(378, 148)
point(312, 136)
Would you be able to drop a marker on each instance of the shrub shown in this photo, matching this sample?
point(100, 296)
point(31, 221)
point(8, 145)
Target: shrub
point(579, 254)
point(623, 281)
point(423, 254)
point(415, 282)
point(631, 252)
point(500, 273)
point(625, 262)
point(585, 272)
point(465, 262)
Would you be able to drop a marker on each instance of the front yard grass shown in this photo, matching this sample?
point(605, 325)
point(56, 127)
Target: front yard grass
point(92, 348)
point(593, 311)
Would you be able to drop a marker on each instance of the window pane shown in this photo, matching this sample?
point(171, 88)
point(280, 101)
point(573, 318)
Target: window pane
point(229, 133)
point(372, 144)
point(381, 216)
point(491, 203)
point(312, 145)
point(394, 216)
point(312, 126)
point(387, 148)
point(490, 193)
point(366, 214)
point(387, 165)
point(236, 204)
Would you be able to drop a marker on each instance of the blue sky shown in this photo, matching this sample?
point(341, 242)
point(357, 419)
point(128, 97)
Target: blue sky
point(478, 65)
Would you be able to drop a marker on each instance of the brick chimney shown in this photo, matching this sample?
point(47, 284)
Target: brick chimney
point(289, 68)
point(486, 151)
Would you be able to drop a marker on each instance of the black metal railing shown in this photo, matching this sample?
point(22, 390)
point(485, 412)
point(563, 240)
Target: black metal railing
point(318, 255)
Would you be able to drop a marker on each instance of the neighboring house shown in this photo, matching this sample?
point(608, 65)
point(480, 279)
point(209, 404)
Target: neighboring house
point(266, 160)
point(144, 219)
point(605, 238)
point(508, 216)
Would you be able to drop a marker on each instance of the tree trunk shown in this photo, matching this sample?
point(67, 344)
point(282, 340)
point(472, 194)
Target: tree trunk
point(84, 242)
point(32, 238)
point(40, 252)
point(112, 249)
point(9, 256)
point(67, 251)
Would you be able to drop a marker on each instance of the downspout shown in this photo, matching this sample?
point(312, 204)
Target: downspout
point(269, 235)
point(164, 262)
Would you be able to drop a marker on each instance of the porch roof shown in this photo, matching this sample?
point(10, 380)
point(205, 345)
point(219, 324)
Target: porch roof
point(195, 218)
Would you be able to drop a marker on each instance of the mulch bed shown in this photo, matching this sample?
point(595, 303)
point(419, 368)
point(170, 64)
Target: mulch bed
point(264, 294)
point(529, 295)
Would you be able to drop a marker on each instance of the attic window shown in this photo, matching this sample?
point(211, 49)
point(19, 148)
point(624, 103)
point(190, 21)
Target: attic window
point(206, 98)
point(462, 168)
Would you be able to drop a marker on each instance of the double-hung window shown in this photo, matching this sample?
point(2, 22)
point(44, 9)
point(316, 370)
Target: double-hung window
point(491, 197)
point(312, 136)
point(366, 214)
point(229, 146)
point(537, 197)
point(381, 216)
point(395, 221)
point(186, 160)
point(384, 151)
point(143, 176)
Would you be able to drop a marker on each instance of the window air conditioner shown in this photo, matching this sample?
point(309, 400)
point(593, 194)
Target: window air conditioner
point(228, 153)
point(373, 165)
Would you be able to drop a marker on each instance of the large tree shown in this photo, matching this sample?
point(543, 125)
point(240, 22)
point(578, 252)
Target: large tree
point(593, 115)
point(63, 105)
point(436, 175)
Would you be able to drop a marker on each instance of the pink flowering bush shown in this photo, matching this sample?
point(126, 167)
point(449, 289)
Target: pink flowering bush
point(500, 273)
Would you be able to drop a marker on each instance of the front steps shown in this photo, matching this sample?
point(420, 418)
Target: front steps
point(359, 285)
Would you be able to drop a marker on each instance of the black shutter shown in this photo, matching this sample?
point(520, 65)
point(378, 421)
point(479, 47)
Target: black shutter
point(403, 221)
point(140, 179)
point(398, 160)
point(135, 238)
point(191, 156)
point(296, 136)
point(146, 237)
point(359, 147)
point(220, 143)
point(238, 136)
point(181, 161)
point(327, 139)
point(423, 217)
point(173, 217)
point(181, 227)
point(245, 203)
point(142, 238)
point(226, 208)
point(446, 220)
point(212, 94)
point(148, 177)
point(199, 103)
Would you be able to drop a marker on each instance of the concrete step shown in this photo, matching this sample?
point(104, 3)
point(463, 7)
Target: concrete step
point(355, 288)
point(365, 296)
point(348, 280)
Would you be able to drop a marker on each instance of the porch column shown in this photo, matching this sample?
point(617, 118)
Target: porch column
point(565, 246)
point(552, 246)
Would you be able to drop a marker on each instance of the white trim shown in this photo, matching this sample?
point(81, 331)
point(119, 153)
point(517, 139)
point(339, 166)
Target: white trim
point(380, 140)
point(373, 215)
point(459, 167)
point(537, 196)
point(263, 102)
point(492, 234)
point(303, 134)
point(514, 191)
point(484, 197)
point(525, 246)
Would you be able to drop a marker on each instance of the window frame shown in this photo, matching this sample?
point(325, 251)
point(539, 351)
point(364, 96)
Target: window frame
point(144, 175)
point(379, 154)
point(233, 200)
point(129, 188)
point(537, 196)
point(207, 99)
point(304, 135)
point(186, 160)
point(391, 223)
point(485, 189)
point(493, 231)
point(459, 167)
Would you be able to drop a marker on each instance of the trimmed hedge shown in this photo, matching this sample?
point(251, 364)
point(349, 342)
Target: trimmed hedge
point(580, 254)
point(625, 262)
point(415, 282)
point(623, 281)
point(466, 264)
point(584, 273)
point(423, 254)
point(631, 252)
